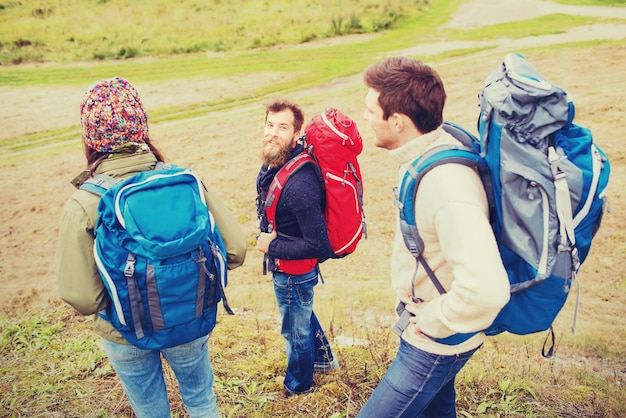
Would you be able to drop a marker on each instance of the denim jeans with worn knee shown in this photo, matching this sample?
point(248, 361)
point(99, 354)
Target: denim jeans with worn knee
point(141, 373)
point(417, 384)
point(307, 348)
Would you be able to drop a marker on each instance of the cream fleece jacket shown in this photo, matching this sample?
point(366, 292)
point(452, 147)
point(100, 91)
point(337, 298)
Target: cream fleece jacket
point(451, 213)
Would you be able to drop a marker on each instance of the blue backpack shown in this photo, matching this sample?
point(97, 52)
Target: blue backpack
point(160, 256)
point(545, 181)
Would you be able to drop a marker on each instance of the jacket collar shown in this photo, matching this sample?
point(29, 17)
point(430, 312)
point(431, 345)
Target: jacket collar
point(416, 147)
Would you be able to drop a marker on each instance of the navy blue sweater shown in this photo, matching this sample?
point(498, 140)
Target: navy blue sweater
point(299, 215)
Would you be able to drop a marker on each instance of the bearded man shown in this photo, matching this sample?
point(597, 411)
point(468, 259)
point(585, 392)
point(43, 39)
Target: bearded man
point(300, 234)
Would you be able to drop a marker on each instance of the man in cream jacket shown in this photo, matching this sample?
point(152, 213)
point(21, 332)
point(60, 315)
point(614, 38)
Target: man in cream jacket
point(404, 107)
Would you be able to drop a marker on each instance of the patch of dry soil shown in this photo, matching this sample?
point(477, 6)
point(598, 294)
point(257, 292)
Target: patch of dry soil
point(28, 222)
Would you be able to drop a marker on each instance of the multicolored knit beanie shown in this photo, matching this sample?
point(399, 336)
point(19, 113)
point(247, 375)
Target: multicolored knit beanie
point(112, 117)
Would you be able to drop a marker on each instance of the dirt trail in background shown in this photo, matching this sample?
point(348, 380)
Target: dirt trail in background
point(478, 13)
point(32, 109)
point(28, 222)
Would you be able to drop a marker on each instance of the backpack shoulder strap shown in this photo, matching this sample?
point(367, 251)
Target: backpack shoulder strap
point(405, 195)
point(98, 184)
point(278, 183)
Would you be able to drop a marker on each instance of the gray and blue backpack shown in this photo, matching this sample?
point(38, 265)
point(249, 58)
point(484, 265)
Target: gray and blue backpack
point(160, 255)
point(545, 181)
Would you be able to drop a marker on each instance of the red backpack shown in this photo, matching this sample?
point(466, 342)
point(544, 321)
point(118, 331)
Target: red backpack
point(332, 142)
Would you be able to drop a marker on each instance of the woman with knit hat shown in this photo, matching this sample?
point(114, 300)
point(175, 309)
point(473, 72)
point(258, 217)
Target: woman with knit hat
point(116, 142)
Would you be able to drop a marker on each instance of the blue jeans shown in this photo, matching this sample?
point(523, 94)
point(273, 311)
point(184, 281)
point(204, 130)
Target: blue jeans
point(417, 384)
point(307, 348)
point(141, 373)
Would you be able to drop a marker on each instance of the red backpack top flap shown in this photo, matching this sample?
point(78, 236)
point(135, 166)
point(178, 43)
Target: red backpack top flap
point(329, 127)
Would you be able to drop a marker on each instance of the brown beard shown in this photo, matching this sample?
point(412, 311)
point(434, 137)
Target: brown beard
point(276, 158)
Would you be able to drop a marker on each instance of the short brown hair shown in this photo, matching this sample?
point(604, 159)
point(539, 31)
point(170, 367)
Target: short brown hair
point(279, 104)
point(409, 87)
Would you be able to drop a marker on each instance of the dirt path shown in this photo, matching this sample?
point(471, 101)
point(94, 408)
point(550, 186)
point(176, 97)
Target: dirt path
point(33, 109)
point(30, 210)
point(478, 13)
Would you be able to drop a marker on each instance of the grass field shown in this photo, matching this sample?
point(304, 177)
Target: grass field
point(205, 110)
point(43, 31)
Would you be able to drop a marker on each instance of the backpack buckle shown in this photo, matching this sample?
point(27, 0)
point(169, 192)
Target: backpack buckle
point(198, 256)
point(129, 270)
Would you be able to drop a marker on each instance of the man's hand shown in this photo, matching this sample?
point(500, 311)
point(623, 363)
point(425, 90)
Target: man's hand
point(263, 241)
point(415, 309)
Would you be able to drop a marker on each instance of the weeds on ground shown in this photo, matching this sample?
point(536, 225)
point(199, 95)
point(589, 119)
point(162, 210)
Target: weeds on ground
point(51, 365)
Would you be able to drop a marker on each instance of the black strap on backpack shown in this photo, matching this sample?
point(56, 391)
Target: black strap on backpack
point(550, 352)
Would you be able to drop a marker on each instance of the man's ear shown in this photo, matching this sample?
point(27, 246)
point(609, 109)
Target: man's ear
point(403, 125)
point(294, 141)
point(396, 122)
